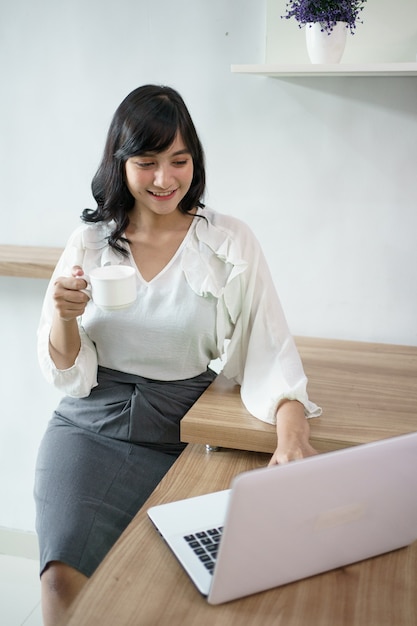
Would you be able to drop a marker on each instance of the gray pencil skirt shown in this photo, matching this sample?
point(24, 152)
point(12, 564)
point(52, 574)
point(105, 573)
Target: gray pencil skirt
point(100, 459)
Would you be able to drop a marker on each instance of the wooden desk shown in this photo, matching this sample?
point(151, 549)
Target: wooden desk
point(140, 583)
point(368, 391)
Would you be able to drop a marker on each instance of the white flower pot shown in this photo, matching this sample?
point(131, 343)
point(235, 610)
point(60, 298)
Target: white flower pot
point(324, 47)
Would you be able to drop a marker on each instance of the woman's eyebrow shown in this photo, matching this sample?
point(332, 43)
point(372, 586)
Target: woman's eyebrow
point(183, 151)
point(152, 153)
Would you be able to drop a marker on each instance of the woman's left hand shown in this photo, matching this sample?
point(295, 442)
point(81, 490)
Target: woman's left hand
point(293, 433)
point(298, 450)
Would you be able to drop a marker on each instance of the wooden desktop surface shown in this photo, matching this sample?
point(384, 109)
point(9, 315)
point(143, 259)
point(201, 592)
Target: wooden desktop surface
point(368, 391)
point(140, 583)
point(28, 261)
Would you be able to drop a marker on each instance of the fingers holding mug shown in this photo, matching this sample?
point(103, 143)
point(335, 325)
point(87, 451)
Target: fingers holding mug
point(69, 298)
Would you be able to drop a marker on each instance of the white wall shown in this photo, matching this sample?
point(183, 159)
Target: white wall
point(322, 169)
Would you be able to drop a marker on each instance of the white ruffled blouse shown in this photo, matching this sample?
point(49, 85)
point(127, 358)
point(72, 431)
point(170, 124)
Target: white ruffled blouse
point(215, 299)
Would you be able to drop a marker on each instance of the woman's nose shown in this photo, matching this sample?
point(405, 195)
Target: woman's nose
point(162, 177)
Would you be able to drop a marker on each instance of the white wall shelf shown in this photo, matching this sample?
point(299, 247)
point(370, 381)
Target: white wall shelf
point(340, 69)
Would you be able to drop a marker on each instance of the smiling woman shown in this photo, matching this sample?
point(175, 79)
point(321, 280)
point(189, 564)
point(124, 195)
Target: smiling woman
point(204, 292)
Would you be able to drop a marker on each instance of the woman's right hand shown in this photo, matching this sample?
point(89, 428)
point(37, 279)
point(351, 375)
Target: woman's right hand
point(70, 302)
point(69, 298)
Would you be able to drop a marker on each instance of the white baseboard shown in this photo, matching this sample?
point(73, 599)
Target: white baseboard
point(19, 543)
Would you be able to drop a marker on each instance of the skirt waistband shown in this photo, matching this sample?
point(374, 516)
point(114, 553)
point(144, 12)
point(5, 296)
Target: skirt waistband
point(135, 409)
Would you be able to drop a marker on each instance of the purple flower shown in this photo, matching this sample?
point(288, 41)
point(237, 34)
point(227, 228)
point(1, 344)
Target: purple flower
point(327, 12)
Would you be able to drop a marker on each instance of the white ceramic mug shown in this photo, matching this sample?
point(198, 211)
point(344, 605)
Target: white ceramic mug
point(112, 287)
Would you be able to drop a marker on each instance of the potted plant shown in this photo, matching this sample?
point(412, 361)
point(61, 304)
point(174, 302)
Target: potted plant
point(325, 12)
point(328, 22)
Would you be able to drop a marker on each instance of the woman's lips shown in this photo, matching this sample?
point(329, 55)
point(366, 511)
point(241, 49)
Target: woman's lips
point(162, 195)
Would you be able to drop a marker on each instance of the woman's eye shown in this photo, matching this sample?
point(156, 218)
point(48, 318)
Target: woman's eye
point(181, 163)
point(144, 164)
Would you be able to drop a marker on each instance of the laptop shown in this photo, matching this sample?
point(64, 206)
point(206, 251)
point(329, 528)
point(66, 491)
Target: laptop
point(284, 523)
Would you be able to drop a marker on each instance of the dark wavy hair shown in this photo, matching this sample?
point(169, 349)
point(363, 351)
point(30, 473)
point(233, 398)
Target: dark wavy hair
point(147, 120)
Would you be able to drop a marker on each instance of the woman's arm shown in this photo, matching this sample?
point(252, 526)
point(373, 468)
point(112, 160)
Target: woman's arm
point(66, 354)
point(293, 432)
point(70, 302)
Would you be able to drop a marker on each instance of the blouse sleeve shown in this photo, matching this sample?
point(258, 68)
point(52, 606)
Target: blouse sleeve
point(262, 356)
point(78, 380)
point(225, 261)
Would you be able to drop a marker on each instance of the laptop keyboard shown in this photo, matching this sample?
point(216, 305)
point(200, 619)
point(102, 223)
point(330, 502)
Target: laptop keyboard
point(205, 545)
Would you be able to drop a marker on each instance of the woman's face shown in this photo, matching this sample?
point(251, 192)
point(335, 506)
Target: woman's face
point(158, 181)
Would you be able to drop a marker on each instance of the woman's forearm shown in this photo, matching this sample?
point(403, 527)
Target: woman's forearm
point(70, 302)
point(64, 342)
